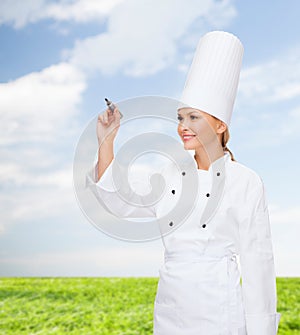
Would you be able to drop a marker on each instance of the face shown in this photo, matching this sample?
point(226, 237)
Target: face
point(198, 129)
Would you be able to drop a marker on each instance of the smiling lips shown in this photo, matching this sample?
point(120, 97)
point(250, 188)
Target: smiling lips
point(187, 137)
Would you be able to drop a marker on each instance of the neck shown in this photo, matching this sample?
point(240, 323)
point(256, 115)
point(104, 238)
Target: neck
point(205, 156)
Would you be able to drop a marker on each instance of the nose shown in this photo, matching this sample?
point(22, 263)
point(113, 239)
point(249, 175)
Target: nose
point(183, 127)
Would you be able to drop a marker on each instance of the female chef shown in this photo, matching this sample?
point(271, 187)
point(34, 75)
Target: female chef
point(199, 290)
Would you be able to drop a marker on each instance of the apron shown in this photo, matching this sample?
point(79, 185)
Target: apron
point(199, 295)
point(199, 290)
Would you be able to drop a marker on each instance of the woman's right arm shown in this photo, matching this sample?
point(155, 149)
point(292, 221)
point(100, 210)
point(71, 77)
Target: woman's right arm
point(100, 178)
point(107, 127)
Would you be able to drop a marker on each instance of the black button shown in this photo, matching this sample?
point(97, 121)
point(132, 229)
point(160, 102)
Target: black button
point(183, 173)
point(204, 225)
point(173, 191)
point(171, 224)
point(207, 194)
point(218, 173)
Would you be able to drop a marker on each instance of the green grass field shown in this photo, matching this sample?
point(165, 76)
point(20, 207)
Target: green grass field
point(106, 306)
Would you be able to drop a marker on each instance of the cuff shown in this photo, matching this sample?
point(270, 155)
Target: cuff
point(106, 181)
point(262, 324)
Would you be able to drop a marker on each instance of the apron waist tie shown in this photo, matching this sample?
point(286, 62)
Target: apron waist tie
point(228, 264)
point(186, 257)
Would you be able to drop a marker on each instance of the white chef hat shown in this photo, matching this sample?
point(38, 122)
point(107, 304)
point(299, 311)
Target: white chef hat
point(213, 77)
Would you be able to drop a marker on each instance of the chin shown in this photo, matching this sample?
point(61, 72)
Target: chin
point(188, 146)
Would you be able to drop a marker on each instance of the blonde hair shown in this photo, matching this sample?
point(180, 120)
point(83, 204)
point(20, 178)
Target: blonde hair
point(225, 139)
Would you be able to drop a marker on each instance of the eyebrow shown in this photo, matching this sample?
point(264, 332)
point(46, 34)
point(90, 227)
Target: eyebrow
point(178, 113)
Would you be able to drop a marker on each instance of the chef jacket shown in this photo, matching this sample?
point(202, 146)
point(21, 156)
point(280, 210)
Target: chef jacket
point(199, 289)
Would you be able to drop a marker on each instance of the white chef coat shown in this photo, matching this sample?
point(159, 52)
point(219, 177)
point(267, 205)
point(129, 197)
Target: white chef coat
point(199, 289)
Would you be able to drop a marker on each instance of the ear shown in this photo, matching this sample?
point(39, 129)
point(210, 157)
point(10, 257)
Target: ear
point(221, 127)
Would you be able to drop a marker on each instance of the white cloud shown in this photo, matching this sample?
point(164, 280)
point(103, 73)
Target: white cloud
point(269, 96)
point(45, 200)
point(277, 126)
point(15, 173)
point(38, 120)
point(143, 39)
point(272, 81)
point(80, 10)
point(19, 13)
point(290, 126)
point(36, 183)
point(34, 107)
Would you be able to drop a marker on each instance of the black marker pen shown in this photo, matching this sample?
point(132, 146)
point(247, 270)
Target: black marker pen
point(112, 107)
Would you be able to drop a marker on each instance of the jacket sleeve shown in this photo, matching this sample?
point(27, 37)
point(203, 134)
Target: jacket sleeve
point(107, 194)
point(257, 266)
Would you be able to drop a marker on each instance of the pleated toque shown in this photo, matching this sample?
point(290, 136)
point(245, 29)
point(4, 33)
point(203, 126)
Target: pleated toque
point(213, 77)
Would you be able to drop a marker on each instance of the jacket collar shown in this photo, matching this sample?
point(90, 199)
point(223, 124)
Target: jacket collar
point(214, 164)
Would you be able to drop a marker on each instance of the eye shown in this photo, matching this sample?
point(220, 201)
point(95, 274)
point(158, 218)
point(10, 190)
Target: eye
point(179, 118)
point(193, 117)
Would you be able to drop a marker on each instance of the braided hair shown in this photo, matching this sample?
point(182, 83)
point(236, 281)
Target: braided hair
point(225, 139)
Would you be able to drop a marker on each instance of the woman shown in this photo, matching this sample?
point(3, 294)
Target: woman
point(199, 289)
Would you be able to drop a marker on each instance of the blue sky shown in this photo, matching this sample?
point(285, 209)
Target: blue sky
point(59, 59)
